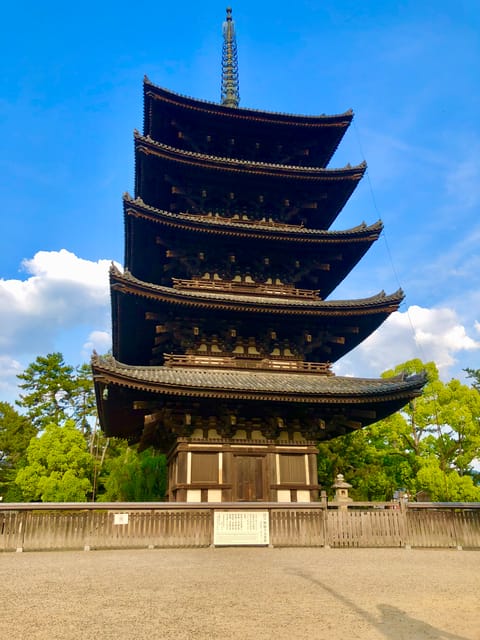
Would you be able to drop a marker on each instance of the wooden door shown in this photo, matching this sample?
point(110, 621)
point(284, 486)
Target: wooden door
point(249, 478)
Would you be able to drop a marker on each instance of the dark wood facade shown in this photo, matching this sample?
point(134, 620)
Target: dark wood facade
point(223, 336)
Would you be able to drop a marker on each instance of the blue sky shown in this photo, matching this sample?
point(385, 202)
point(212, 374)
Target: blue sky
point(71, 95)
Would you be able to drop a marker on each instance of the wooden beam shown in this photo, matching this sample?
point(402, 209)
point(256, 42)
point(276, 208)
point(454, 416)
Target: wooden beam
point(350, 424)
point(365, 413)
point(161, 328)
point(351, 329)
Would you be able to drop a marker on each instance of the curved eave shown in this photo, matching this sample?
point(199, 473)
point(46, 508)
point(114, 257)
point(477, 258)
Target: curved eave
point(223, 226)
point(127, 284)
point(121, 390)
point(240, 113)
point(251, 385)
point(147, 146)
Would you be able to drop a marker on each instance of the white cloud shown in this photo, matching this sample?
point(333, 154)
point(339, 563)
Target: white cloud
point(64, 299)
point(100, 341)
point(62, 291)
point(65, 296)
point(9, 369)
point(428, 334)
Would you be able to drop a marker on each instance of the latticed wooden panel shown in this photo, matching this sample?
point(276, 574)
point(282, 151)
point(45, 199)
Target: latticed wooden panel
point(126, 527)
point(382, 528)
point(297, 528)
point(11, 530)
point(163, 529)
point(250, 481)
point(204, 467)
point(467, 528)
point(292, 469)
point(433, 528)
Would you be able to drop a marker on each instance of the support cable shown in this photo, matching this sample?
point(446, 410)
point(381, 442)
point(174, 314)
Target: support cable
point(419, 347)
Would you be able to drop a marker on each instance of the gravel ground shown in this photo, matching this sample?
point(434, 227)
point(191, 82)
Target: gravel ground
point(248, 593)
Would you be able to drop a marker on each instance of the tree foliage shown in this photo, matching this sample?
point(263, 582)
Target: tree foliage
point(475, 375)
point(134, 477)
point(52, 453)
point(432, 445)
point(55, 451)
point(57, 392)
point(84, 408)
point(58, 468)
point(16, 431)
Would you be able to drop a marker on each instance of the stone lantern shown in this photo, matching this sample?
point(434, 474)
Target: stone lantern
point(341, 491)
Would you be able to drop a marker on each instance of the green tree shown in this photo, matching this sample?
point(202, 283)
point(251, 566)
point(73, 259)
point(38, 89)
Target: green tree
point(58, 468)
point(55, 392)
point(48, 384)
point(133, 477)
point(446, 487)
point(16, 431)
point(84, 407)
point(372, 464)
point(475, 375)
point(457, 442)
point(419, 415)
point(431, 444)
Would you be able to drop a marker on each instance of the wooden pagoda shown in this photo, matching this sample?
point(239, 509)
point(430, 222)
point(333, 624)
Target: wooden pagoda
point(223, 336)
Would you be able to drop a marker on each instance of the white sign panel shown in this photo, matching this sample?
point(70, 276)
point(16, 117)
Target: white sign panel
point(120, 518)
point(241, 528)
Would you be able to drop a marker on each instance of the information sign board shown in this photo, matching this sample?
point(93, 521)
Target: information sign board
point(120, 518)
point(241, 528)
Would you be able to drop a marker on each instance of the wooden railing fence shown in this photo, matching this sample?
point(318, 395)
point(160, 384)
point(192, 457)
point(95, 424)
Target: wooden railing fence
point(43, 526)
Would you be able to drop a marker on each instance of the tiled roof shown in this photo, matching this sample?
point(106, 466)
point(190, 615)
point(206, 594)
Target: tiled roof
point(243, 113)
point(251, 227)
point(376, 303)
point(243, 383)
point(247, 166)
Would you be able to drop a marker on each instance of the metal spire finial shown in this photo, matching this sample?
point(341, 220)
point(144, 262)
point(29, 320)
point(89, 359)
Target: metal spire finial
point(230, 90)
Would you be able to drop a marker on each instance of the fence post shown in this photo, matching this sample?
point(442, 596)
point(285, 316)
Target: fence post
point(402, 505)
point(324, 501)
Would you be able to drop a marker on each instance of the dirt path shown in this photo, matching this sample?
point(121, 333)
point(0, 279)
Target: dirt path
point(247, 593)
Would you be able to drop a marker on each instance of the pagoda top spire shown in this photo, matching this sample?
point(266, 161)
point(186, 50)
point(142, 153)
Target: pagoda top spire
point(230, 87)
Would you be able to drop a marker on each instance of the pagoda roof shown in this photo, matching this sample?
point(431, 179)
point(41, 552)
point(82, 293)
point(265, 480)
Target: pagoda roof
point(170, 178)
point(208, 127)
point(126, 393)
point(240, 302)
point(337, 326)
point(248, 167)
point(150, 232)
point(240, 113)
point(235, 227)
point(258, 385)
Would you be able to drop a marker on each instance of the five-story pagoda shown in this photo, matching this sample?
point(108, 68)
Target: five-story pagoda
point(223, 336)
